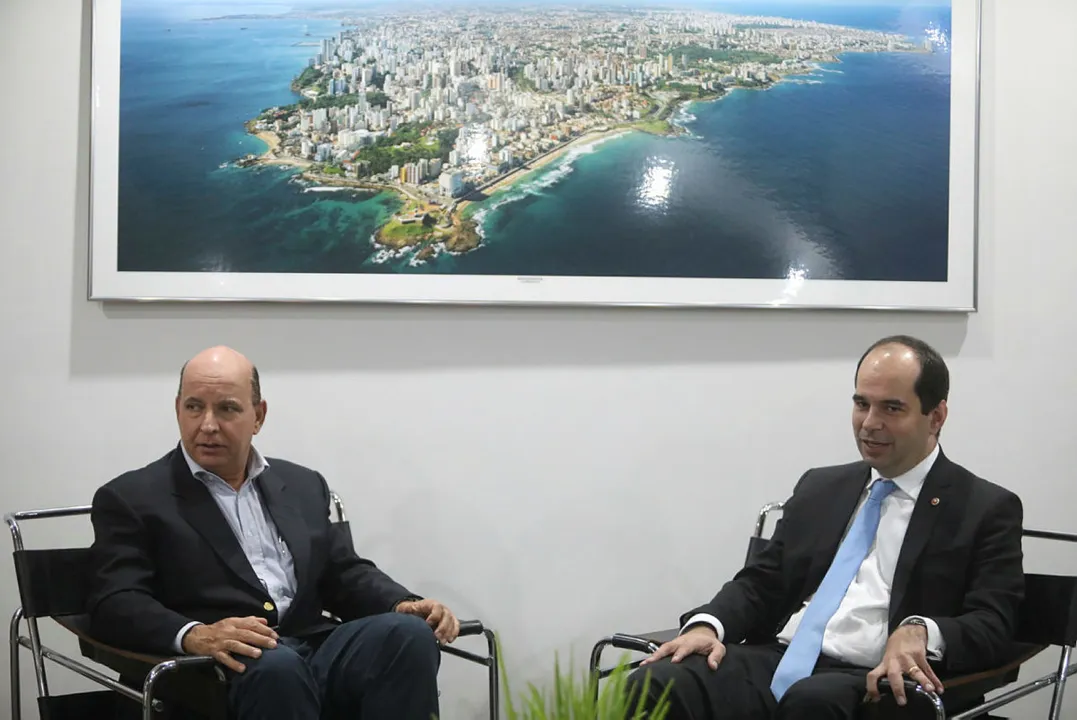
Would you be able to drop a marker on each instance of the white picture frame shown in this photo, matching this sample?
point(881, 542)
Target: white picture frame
point(956, 294)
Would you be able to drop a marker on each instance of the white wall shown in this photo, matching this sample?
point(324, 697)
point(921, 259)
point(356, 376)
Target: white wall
point(530, 467)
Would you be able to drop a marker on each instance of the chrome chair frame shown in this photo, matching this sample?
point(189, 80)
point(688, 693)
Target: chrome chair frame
point(650, 642)
point(146, 698)
point(1057, 679)
point(40, 653)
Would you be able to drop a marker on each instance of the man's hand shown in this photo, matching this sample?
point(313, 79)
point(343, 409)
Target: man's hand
point(440, 618)
point(906, 654)
point(240, 636)
point(699, 640)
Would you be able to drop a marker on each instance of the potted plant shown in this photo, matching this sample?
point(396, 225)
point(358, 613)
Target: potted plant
point(574, 698)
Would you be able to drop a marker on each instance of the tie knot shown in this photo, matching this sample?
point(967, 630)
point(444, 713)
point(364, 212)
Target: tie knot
point(881, 489)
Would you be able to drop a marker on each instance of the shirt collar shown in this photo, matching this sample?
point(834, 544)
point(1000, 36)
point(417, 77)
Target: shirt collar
point(256, 465)
point(911, 482)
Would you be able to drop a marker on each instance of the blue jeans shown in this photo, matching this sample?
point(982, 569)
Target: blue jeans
point(377, 668)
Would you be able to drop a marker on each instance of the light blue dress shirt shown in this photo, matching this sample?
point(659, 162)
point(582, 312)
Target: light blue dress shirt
point(255, 530)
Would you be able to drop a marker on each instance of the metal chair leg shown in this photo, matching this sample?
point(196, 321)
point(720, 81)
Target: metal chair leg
point(150, 684)
point(594, 665)
point(16, 689)
point(1060, 684)
point(493, 674)
point(35, 636)
point(936, 702)
point(596, 654)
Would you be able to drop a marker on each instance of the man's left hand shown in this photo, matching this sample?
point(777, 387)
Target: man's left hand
point(440, 618)
point(906, 654)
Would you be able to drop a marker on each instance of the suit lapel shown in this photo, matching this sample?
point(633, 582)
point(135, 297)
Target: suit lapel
point(200, 510)
point(834, 520)
point(935, 494)
point(289, 523)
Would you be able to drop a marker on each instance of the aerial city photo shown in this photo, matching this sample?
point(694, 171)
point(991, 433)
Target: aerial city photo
point(699, 140)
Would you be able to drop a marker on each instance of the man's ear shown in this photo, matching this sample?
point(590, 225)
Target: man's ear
point(259, 416)
point(938, 417)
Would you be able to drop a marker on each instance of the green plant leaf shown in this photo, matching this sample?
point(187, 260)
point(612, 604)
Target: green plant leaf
point(572, 697)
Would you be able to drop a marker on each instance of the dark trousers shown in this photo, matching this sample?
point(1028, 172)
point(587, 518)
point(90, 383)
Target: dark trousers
point(740, 688)
point(378, 668)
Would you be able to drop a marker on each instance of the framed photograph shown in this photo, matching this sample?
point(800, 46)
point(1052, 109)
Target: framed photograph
point(740, 153)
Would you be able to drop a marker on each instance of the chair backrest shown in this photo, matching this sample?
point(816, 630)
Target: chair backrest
point(53, 583)
point(341, 528)
point(1048, 613)
point(757, 543)
point(343, 531)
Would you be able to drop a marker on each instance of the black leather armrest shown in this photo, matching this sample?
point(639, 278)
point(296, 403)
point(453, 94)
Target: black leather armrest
point(643, 641)
point(961, 692)
point(198, 682)
point(125, 662)
point(920, 704)
point(471, 627)
point(911, 687)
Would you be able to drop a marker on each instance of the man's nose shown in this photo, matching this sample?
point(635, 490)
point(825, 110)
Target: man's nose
point(874, 420)
point(209, 422)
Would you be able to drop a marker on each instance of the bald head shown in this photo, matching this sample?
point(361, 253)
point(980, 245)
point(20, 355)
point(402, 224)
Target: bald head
point(893, 360)
point(222, 360)
point(220, 409)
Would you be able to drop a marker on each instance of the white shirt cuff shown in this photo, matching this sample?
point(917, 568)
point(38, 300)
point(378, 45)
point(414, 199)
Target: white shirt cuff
point(177, 644)
point(707, 620)
point(936, 645)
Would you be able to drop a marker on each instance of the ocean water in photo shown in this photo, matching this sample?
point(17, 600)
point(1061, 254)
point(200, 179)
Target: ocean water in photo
point(838, 173)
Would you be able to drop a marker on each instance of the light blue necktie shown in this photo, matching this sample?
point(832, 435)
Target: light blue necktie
point(803, 651)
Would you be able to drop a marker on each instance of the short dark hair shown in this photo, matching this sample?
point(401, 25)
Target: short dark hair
point(933, 383)
point(256, 384)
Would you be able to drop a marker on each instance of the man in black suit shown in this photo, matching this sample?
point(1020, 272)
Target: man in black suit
point(215, 550)
point(902, 565)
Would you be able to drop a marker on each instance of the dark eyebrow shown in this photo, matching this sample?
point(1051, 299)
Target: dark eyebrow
point(890, 401)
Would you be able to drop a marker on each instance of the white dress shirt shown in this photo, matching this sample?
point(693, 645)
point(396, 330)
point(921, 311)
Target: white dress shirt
point(858, 631)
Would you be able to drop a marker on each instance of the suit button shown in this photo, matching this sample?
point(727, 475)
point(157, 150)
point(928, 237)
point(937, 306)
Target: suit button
point(268, 606)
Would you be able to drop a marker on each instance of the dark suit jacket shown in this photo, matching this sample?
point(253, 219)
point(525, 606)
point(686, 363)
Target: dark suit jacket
point(960, 563)
point(164, 555)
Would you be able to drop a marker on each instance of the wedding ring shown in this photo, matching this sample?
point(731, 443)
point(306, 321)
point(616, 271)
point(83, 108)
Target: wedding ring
point(913, 669)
